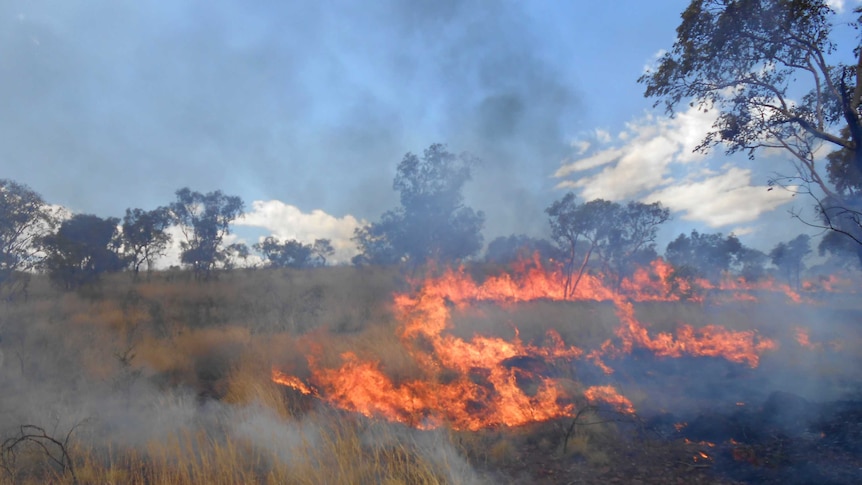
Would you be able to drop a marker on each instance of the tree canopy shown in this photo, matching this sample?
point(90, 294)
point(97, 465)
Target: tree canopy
point(779, 80)
point(620, 235)
point(432, 222)
point(705, 255)
point(24, 218)
point(204, 220)
point(295, 254)
point(83, 248)
point(788, 258)
point(145, 236)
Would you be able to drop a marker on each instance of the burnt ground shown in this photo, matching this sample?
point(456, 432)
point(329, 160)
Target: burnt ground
point(794, 418)
point(786, 440)
point(705, 420)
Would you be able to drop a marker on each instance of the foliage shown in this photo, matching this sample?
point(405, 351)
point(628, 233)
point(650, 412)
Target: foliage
point(766, 66)
point(293, 253)
point(632, 236)
point(432, 222)
point(837, 246)
point(83, 248)
point(706, 255)
point(621, 236)
point(572, 223)
point(24, 218)
point(322, 249)
point(204, 220)
point(751, 264)
point(144, 236)
point(788, 257)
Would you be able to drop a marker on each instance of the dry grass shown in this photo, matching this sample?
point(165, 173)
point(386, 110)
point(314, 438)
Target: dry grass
point(117, 353)
point(173, 379)
point(324, 451)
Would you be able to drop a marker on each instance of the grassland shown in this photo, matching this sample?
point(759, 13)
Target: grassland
point(167, 381)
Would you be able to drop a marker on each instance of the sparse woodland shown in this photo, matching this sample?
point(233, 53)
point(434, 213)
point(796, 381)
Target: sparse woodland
point(706, 361)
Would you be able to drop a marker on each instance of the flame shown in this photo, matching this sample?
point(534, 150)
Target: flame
point(291, 381)
point(488, 381)
point(610, 396)
point(803, 338)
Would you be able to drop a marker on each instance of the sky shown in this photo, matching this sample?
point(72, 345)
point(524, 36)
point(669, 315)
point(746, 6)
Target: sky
point(304, 109)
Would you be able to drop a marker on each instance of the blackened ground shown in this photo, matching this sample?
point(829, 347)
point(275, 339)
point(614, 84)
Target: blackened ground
point(784, 439)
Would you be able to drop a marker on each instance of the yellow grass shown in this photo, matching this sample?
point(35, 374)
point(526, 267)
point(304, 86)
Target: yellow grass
point(99, 360)
point(169, 382)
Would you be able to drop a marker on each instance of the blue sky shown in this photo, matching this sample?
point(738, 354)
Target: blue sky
point(304, 109)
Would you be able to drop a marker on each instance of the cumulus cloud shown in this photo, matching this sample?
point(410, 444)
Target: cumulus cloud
point(655, 159)
point(643, 162)
point(286, 221)
point(837, 5)
point(721, 200)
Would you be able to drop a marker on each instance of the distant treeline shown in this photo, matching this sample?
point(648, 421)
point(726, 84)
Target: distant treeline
point(432, 223)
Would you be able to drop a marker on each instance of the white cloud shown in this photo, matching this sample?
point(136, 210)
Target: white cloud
point(837, 5)
point(743, 230)
point(596, 160)
point(285, 221)
point(581, 146)
point(721, 200)
point(654, 159)
point(603, 136)
point(642, 163)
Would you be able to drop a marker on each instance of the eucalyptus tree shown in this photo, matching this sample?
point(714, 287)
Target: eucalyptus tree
point(432, 222)
point(778, 78)
point(204, 221)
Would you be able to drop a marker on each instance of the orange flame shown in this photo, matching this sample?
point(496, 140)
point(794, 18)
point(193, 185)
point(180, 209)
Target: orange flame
point(488, 381)
point(291, 381)
point(610, 396)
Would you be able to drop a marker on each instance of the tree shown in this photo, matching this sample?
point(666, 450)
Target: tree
point(82, 249)
point(145, 236)
point(631, 237)
point(838, 248)
point(322, 249)
point(288, 254)
point(706, 255)
point(432, 222)
point(24, 218)
point(621, 236)
point(788, 258)
point(573, 226)
point(295, 254)
point(751, 264)
point(204, 220)
point(767, 67)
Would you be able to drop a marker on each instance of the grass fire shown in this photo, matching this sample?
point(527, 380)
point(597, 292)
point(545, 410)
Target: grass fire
point(431, 242)
point(451, 375)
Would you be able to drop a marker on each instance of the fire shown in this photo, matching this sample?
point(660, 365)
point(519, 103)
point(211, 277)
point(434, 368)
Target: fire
point(803, 338)
point(488, 381)
point(710, 341)
point(291, 381)
point(610, 396)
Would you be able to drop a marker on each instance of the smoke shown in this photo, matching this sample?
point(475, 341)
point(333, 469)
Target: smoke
point(309, 105)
